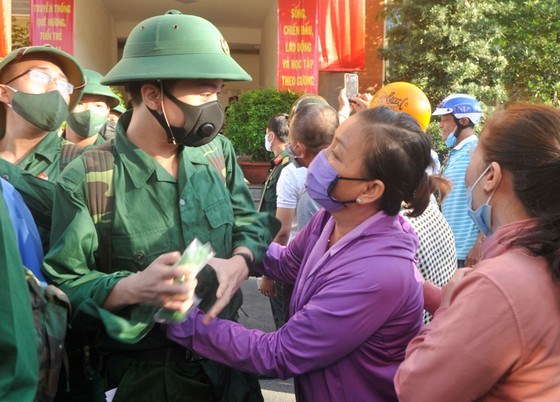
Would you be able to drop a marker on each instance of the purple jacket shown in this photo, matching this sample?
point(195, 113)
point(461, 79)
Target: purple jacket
point(354, 309)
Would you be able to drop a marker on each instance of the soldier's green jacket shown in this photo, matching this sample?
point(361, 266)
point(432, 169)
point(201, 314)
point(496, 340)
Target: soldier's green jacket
point(269, 194)
point(34, 178)
point(154, 213)
point(19, 368)
point(44, 160)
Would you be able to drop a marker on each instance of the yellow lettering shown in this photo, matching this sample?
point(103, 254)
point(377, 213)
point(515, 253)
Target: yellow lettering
point(288, 80)
point(303, 47)
point(290, 47)
point(291, 30)
point(306, 80)
point(298, 13)
point(307, 30)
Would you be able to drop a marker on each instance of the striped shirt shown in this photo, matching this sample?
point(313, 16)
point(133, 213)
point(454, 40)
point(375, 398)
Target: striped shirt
point(454, 206)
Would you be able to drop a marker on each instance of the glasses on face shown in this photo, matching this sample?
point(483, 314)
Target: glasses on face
point(40, 77)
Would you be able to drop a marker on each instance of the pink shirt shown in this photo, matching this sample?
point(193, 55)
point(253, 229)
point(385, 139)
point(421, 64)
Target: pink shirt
point(498, 339)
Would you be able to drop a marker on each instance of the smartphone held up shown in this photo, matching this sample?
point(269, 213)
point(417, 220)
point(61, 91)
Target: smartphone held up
point(351, 85)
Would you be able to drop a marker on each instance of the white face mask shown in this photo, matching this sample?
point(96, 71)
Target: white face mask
point(267, 143)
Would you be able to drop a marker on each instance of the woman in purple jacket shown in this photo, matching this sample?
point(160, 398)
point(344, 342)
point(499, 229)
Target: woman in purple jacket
point(358, 297)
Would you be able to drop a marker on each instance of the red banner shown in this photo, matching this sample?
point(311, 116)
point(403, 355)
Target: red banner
point(342, 35)
point(52, 22)
point(298, 67)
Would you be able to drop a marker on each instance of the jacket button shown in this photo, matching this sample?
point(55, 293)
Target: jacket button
point(138, 256)
point(6, 177)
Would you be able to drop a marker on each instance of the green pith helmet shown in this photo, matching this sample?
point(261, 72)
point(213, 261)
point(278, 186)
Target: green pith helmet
point(69, 66)
point(175, 46)
point(93, 87)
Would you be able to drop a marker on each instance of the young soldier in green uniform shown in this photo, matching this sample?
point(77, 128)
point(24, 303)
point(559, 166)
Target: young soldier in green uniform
point(171, 179)
point(39, 85)
point(89, 116)
point(275, 141)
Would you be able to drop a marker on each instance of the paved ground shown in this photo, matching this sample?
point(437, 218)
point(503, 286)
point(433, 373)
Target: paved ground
point(257, 315)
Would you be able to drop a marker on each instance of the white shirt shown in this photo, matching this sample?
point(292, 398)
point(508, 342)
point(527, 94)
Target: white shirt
point(289, 188)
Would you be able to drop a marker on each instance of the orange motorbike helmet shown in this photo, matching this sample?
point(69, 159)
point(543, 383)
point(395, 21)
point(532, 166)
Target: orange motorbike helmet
point(405, 97)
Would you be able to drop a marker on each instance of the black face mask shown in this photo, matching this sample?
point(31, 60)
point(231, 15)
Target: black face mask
point(202, 123)
point(108, 130)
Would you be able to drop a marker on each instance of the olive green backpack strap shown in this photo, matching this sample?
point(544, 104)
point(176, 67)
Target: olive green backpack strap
point(99, 168)
point(68, 152)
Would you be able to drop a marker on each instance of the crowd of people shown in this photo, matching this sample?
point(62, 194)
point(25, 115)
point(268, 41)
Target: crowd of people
point(390, 277)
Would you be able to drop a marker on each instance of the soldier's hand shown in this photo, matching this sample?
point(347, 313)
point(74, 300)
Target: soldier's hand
point(156, 285)
point(231, 273)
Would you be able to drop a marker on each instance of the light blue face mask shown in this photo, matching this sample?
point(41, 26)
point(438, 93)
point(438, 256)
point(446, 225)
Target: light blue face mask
point(450, 141)
point(482, 217)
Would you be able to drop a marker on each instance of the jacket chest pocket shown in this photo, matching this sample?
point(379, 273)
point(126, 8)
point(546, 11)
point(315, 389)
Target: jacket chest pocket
point(134, 252)
point(219, 216)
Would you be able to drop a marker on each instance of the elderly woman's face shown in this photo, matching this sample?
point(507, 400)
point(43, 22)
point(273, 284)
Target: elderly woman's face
point(346, 156)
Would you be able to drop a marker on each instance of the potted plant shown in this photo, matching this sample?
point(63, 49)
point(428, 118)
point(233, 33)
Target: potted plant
point(245, 126)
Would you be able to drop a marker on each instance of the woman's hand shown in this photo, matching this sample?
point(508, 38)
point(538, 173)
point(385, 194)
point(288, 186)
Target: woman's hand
point(267, 287)
point(448, 289)
point(231, 273)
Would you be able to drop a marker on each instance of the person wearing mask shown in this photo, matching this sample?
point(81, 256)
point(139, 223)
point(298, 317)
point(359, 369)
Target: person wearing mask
point(312, 126)
point(90, 115)
point(495, 335)
point(168, 178)
point(108, 130)
point(275, 141)
point(39, 85)
point(357, 299)
point(459, 115)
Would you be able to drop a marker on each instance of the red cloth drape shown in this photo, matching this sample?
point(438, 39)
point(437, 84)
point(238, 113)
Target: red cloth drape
point(341, 35)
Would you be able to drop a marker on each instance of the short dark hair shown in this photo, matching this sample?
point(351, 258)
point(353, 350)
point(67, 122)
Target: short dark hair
point(278, 124)
point(314, 125)
point(397, 152)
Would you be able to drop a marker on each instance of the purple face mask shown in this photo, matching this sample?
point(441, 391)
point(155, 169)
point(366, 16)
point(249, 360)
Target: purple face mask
point(321, 181)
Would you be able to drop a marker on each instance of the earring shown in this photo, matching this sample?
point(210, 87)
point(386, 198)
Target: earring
point(358, 200)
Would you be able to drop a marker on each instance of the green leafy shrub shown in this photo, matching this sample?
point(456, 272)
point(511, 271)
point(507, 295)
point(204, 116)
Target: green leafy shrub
point(246, 119)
